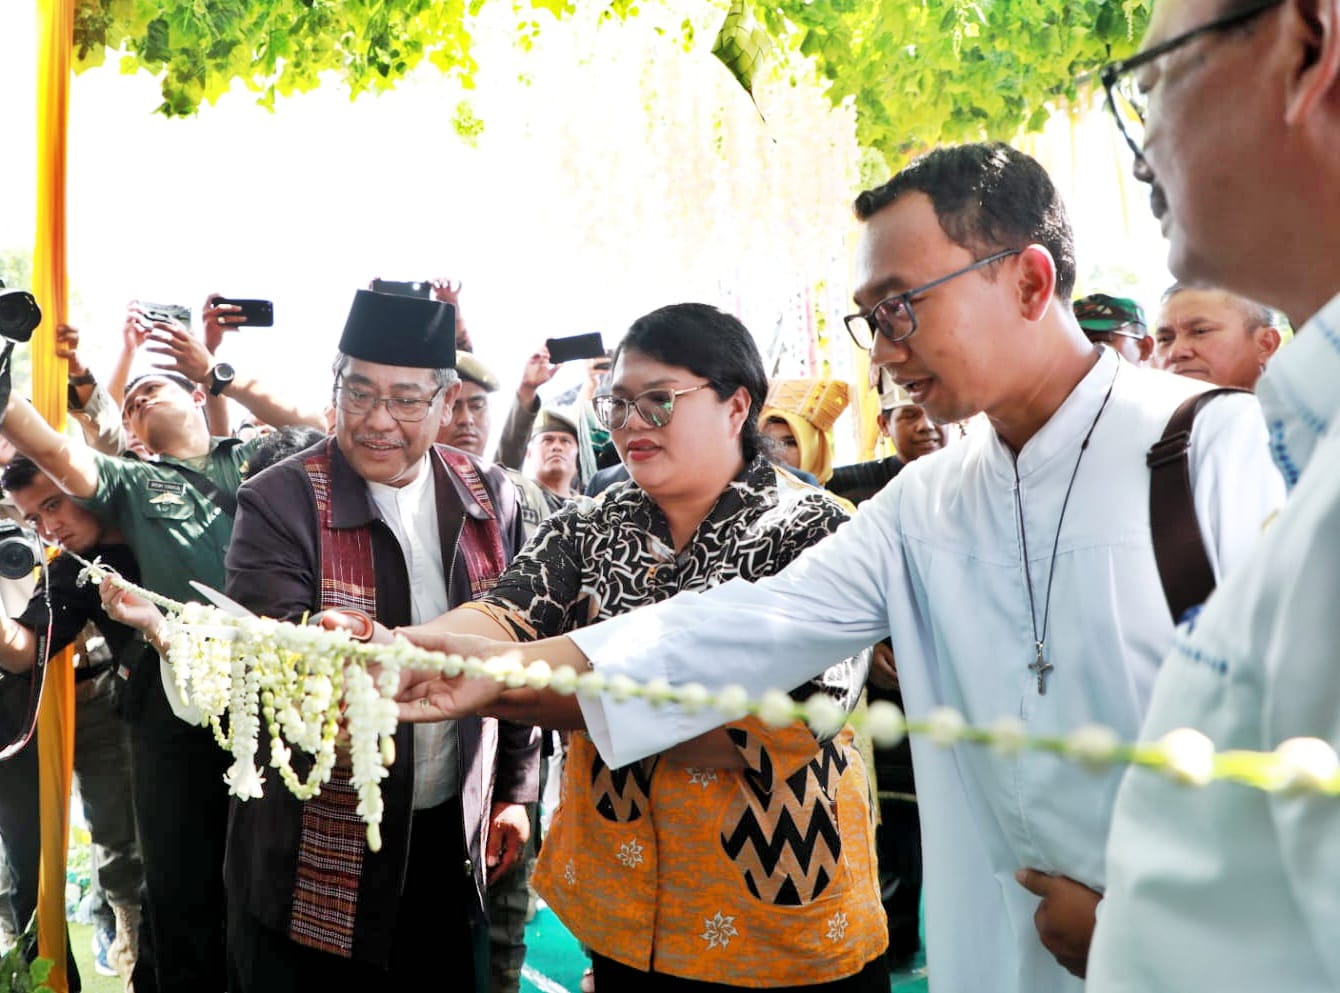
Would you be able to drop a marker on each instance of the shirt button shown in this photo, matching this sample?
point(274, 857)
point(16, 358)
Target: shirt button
point(469, 867)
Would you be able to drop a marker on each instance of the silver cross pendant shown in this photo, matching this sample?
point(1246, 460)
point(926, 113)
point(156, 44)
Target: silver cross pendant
point(1041, 667)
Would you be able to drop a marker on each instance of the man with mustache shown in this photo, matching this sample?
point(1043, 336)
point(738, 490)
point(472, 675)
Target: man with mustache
point(1227, 888)
point(380, 519)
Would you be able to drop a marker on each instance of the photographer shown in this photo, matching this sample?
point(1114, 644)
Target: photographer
point(102, 745)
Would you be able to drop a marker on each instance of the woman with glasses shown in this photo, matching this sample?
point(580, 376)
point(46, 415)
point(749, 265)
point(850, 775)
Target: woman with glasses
point(743, 858)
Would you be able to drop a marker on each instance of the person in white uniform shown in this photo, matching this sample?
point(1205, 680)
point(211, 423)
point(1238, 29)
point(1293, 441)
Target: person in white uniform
point(1009, 585)
point(1227, 888)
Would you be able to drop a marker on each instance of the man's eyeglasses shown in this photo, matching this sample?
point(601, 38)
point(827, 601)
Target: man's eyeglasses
point(893, 316)
point(655, 407)
point(1125, 98)
point(352, 400)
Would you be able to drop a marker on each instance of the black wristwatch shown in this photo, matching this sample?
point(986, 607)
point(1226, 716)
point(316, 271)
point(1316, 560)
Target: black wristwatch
point(221, 377)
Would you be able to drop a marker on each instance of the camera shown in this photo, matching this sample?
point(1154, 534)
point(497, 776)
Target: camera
point(20, 550)
point(19, 314)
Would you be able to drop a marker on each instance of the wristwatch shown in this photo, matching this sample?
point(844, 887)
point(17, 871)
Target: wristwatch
point(83, 379)
point(221, 377)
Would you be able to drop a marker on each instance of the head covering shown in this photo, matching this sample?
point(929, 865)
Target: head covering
point(1102, 314)
point(809, 407)
point(469, 367)
point(553, 419)
point(400, 331)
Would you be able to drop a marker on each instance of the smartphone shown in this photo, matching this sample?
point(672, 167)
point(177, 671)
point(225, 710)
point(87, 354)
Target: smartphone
point(577, 346)
point(166, 312)
point(254, 313)
point(422, 289)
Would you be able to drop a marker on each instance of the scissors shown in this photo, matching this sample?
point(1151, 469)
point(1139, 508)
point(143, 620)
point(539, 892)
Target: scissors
point(357, 622)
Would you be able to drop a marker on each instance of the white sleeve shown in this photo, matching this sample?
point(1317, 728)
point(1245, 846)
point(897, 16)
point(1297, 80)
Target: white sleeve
point(1235, 482)
point(828, 604)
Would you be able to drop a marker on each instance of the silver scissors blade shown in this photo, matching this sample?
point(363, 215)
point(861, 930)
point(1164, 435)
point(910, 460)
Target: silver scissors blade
point(221, 600)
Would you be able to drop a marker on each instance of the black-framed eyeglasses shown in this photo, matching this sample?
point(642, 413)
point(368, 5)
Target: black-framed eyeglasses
point(1128, 102)
point(352, 400)
point(893, 316)
point(655, 407)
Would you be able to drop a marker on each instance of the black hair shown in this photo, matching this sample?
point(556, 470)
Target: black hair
point(987, 197)
point(173, 377)
point(712, 344)
point(19, 474)
point(279, 445)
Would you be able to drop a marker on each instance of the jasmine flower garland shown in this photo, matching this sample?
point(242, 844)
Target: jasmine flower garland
point(329, 696)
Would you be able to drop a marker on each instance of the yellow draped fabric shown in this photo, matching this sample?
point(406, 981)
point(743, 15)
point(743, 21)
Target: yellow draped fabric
point(55, 722)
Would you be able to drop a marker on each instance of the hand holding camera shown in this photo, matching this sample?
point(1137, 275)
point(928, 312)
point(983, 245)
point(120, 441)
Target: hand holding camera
point(186, 353)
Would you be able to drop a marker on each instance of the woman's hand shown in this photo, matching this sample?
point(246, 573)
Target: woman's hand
point(427, 695)
point(130, 609)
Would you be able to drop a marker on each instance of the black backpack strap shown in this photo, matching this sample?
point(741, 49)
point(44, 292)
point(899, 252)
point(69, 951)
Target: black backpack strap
point(225, 501)
point(1179, 546)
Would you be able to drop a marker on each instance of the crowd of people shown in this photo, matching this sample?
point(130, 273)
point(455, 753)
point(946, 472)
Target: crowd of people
point(1087, 518)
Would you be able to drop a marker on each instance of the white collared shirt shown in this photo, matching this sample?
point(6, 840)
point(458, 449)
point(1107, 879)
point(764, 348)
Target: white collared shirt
point(1228, 888)
point(935, 560)
point(410, 511)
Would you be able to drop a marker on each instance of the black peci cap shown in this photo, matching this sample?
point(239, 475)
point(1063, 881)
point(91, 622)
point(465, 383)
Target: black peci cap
point(401, 331)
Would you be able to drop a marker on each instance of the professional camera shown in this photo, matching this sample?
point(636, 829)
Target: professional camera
point(19, 314)
point(20, 551)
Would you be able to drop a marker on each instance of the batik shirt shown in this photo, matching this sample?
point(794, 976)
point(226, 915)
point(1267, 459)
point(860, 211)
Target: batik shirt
point(757, 877)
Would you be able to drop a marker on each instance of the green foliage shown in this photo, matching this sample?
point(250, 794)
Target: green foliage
point(918, 72)
point(937, 71)
point(17, 974)
point(197, 48)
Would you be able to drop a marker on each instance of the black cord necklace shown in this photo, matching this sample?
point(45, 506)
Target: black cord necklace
point(1040, 666)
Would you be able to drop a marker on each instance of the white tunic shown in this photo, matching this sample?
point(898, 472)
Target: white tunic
point(935, 560)
point(1228, 888)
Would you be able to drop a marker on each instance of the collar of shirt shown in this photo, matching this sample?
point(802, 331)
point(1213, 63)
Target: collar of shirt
point(1299, 394)
point(1065, 429)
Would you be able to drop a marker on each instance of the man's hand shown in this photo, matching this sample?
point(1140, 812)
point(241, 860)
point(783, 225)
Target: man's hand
point(135, 331)
point(1065, 918)
point(426, 695)
point(217, 320)
point(509, 830)
point(883, 671)
point(130, 609)
point(187, 354)
point(446, 291)
point(67, 348)
point(537, 371)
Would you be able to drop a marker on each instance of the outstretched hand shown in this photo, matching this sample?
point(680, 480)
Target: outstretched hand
point(1065, 918)
point(427, 695)
point(130, 609)
point(186, 354)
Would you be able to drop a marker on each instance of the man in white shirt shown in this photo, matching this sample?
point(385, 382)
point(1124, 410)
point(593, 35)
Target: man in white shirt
point(1227, 888)
point(1008, 586)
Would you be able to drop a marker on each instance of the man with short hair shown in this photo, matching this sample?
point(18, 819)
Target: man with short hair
point(1118, 322)
point(102, 744)
point(176, 514)
point(380, 519)
point(465, 425)
point(1227, 888)
point(965, 275)
point(553, 454)
point(1214, 336)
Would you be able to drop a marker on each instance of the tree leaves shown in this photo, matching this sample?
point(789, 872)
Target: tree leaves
point(919, 72)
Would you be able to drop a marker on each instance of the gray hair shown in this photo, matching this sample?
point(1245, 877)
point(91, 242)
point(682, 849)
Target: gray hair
point(1254, 315)
point(445, 378)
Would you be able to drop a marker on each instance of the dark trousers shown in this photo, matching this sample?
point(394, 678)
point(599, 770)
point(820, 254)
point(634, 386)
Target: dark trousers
point(181, 810)
point(433, 938)
point(612, 977)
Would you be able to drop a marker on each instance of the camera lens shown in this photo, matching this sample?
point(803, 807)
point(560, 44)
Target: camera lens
point(19, 314)
point(18, 558)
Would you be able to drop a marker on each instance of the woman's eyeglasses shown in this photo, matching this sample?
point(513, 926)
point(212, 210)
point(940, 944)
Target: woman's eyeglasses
point(655, 407)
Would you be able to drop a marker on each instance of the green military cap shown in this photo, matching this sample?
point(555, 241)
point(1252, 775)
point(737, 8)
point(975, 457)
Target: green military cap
point(469, 367)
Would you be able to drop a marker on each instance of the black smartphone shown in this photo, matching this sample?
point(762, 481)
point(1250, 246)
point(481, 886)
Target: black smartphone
point(577, 346)
point(254, 313)
point(166, 312)
point(421, 289)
